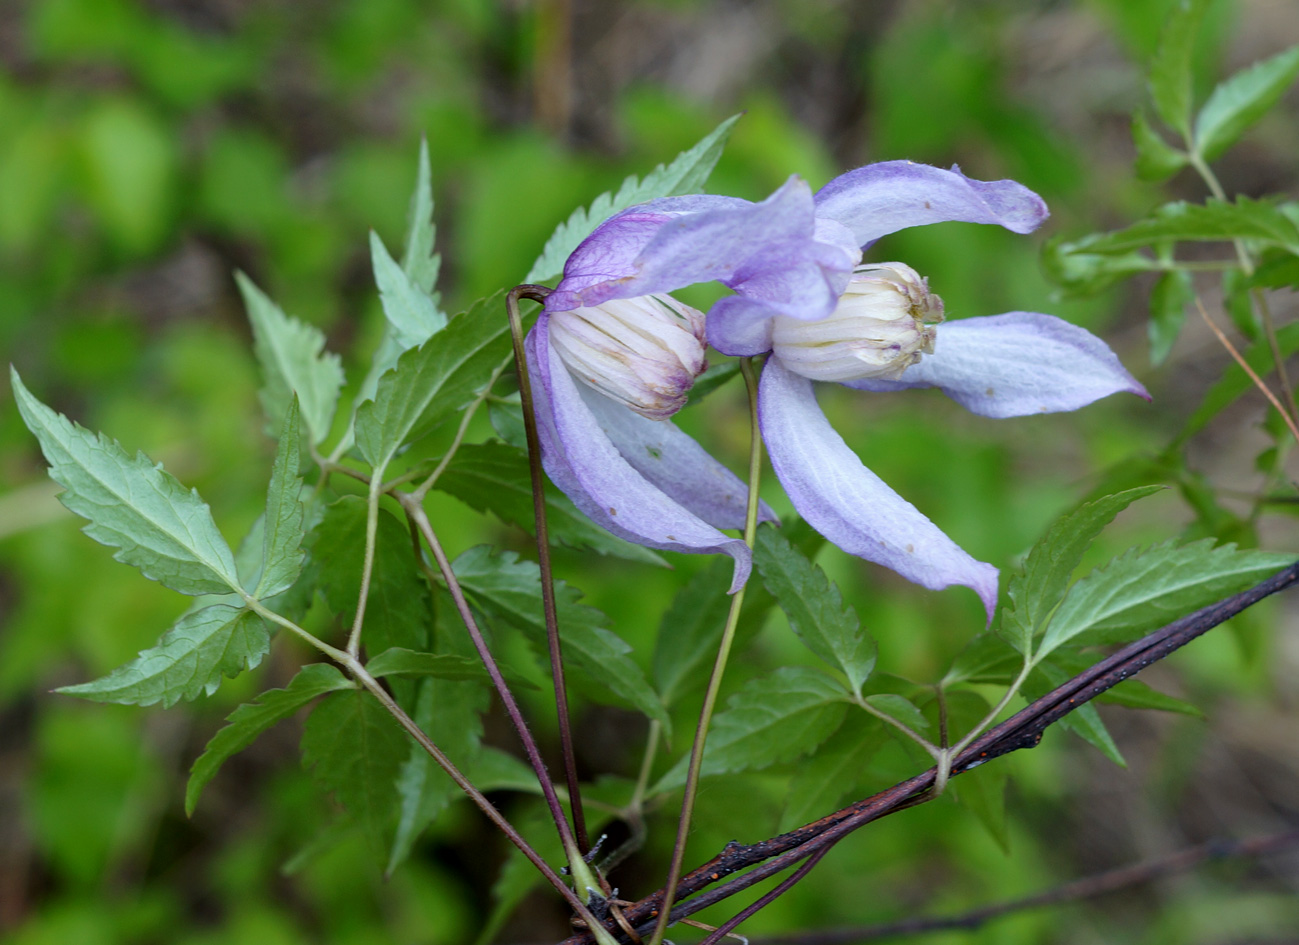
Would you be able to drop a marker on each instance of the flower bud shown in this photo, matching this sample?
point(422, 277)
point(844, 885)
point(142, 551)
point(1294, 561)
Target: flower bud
point(881, 326)
point(644, 352)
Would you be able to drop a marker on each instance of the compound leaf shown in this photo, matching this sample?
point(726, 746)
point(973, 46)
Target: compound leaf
point(249, 720)
point(685, 175)
point(1242, 100)
point(155, 524)
point(190, 659)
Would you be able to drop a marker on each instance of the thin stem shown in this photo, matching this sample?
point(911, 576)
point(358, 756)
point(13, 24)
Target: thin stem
point(1247, 264)
point(538, 294)
point(929, 747)
point(472, 409)
point(719, 666)
point(367, 563)
point(1258, 381)
point(417, 515)
point(361, 675)
point(767, 898)
point(634, 813)
point(995, 711)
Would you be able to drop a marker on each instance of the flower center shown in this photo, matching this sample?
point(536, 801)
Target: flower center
point(883, 324)
point(644, 353)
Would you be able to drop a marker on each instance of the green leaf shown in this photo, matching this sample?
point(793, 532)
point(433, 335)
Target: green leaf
point(411, 312)
point(283, 522)
point(420, 263)
point(1213, 220)
point(399, 661)
point(1145, 588)
point(249, 720)
point(431, 383)
point(450, 712)
point(691, 630)
point(821, 782)
point(1235, 382)
point(770, 720)
point(494, 477)
point(815, 609)
point(190, 660)
point(134, 506)
point(717, 374)
point(397, 609)
point(1171, 294)
point(1084, 721)
point(902, 709)
point(293, 360)
point(1156, 159)
point(988, 658)
point(509, 590)
point(1134, 694)
point(1242, 100)
point(355, 749)
point(1036, 588)
point(1170, 71)
point(685, 175)
point(1069, 265)
point(983, 793)
point(1240, 307)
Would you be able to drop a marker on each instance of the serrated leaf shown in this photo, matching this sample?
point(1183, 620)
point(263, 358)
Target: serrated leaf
point(1145, 588)
point(399, 661)
point(190, 660)
point(690, 630)
point(412, 315)
point(902, 709)
point(509, 590)
point(397, 608)
point(988, 658)
point(494, 477)
point(431, 383)
point(282, 528)
point(1279, 272)
point(1069, 265)
point(1084, 721)
point(815, 608)
point(983, 793)
point(293, 360)
point(1156, 159)
point(685, 175)
point(772, 719)
point(450, 712)
point(1171, 294)
point(420, 263)
point(1134, 694)
point(821, 782)
point(138, 508)
point(1037, 587)
point(249, 720)
point(355, 749)
point(1170, 71)
point(1212, 220)
point(1242, 100)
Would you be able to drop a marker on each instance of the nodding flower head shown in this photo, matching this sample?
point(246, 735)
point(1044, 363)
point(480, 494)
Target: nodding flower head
point(883, 324)
point(643, 352)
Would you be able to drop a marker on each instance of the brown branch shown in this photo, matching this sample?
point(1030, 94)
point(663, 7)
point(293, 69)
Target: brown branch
point(1080, 890)
point(1022, 730)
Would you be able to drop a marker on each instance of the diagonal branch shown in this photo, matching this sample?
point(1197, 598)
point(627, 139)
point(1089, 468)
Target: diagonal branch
point(1022, 730)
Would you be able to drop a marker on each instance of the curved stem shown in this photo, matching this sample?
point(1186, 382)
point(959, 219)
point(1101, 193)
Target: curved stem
point(1256, 296)
point(367, 563)
point(361, 675)
point(719, 665)
point(538, 294)
point(581, 873)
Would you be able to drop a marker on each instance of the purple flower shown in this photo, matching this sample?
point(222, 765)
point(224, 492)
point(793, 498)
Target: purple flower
point(792, 262)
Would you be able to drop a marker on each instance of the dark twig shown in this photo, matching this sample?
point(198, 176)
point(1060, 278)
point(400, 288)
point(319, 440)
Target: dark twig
point(1022, 730)
point(1080, 890)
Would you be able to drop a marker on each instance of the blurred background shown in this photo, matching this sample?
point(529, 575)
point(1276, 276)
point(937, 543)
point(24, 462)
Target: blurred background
point(148, 148)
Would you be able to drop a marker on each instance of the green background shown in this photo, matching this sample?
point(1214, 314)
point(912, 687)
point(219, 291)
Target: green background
point(148, 149)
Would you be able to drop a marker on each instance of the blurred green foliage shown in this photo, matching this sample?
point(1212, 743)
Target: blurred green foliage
point(149, 148)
